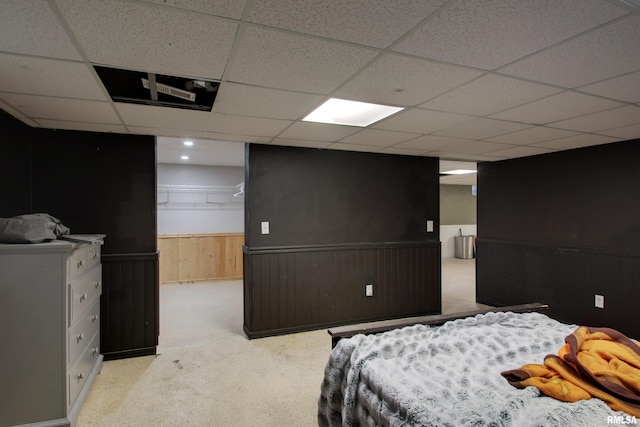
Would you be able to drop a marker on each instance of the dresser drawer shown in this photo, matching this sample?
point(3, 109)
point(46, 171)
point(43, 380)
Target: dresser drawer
point(82, 260)
point(80, 370)
point(83, 292)
point(79, 334)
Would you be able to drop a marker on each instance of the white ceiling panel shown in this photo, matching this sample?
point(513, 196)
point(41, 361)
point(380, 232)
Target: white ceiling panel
point(624, 88)
point(490, 94)
point(89, 127)
point(532, 135)
point(262, 102)
point(233, 124)
point(352, 147)
point(311, 65)
point(481, 128)
point(615, 118)
point(226, 8)
point(404, 81)
point(38, 76)
point(417, 120)
point(318, 131)
point(72, 110)
point(521, 151)
point(167, 41)
point(32, 28)
point(203, 152)
point(557, 107)
point(376, 23)
point(378, 137)
point(572, 64)
point(487, 34)
point(627, 132)
point(578, 141)
point(287, 142)
point(476, 76)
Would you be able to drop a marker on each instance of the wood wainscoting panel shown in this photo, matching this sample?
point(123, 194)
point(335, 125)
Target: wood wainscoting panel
point(200, 257)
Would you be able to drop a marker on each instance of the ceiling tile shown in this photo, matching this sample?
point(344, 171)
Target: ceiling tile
point(226, 8)
point(167, 41)
point(354, 147)
point(401, 151)
point(318, 131)
point(48, 77)
point(448, 165)
point(451, 145)
point(627, 132)
point(261, 102)
point(31, 28)
point(381, 138)
point(294, 62)
point(73, 110)
point(557, 107)
point(300, 143)
point(238, 137)
point(489, 94)
point(417, 120)
point(373, 23)
point(464, 156)
point(615, 118)
point(571, 64)
point(532, 135)
point(158, 131)
point(623, 88)
point(229, 123)
point(578, 141)
point(481, 129)
point(487, 34)
point(162, 117)
point(89, 127)
point(521, 151)
point(404, 81)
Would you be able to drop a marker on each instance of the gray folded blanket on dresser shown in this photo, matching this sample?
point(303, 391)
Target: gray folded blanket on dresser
point(31, 228)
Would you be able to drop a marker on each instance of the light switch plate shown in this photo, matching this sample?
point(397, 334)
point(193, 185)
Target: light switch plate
point(264, 226)
point(599, 301)
point(429, 226)
point(368, 290)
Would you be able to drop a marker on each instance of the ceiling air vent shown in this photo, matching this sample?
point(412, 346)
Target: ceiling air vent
point(138, 87)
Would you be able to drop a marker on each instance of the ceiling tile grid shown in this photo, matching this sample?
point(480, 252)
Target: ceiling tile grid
point(479, 80)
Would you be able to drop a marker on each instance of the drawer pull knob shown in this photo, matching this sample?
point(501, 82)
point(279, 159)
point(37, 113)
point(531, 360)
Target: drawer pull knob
point(80, 337)
point(83, 297)
point(80, 264)
point(94, 318)
point(95, 351)
point(97, 284)
point(95, 255)
point(80, 377)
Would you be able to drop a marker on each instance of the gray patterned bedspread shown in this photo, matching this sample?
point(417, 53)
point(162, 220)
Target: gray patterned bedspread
point(449, 376)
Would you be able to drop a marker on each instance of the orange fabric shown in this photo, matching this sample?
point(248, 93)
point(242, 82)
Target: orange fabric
point(594, 362)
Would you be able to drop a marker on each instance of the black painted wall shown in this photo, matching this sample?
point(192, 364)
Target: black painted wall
point(560, 228)
point(94, 183)
point(338, 220)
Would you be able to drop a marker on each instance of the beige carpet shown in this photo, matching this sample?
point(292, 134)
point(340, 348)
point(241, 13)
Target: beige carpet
point(208, 374)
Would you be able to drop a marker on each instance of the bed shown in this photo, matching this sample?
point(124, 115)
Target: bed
point(449, 375)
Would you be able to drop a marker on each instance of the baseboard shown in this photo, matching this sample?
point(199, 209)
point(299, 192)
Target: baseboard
point(115, 355)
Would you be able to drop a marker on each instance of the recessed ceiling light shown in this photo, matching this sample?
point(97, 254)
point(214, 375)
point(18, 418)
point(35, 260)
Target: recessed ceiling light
point(188, 143)
point(184, 157)
point(460, 171)
point(351, 113)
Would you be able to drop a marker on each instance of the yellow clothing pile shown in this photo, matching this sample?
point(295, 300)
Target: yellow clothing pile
point(594, 362)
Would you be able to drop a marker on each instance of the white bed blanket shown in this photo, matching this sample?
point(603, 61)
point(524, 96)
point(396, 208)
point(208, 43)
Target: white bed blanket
point(450, 376)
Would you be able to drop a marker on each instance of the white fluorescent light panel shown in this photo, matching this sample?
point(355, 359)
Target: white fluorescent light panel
point(460, 171)
point(350, 113)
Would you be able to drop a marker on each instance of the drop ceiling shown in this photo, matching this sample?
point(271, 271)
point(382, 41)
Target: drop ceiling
point(479, 80)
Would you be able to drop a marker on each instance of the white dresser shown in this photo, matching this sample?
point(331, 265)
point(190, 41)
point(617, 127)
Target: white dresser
point(49, 329)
